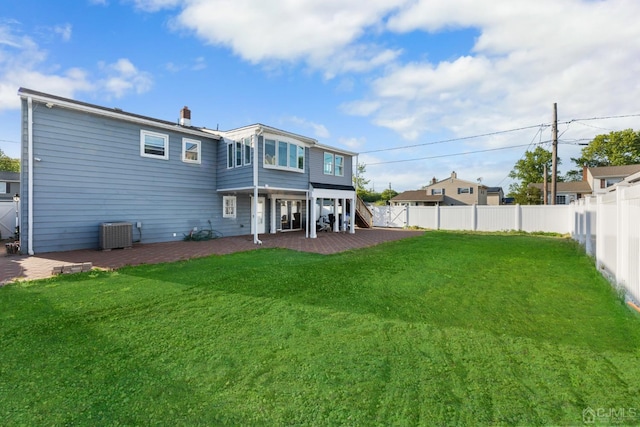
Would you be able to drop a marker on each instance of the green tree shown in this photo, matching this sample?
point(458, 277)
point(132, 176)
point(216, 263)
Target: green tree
point(613, 149)
point(8, 164)
point(528, 170)
point(360, 182)
point(387, 195)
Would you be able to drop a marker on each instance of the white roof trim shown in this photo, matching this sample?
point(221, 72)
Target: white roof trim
point(56, 102)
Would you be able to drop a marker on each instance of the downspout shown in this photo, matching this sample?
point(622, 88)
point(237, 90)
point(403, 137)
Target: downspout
point(256, 240)
point(30, 173)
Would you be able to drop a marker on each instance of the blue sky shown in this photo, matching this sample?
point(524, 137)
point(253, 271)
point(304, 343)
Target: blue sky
point(365, 75)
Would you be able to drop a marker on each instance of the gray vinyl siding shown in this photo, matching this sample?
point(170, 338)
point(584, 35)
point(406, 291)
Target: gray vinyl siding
point(316, 168)
point(278, 178)
point(90, 171)
point(236, 177)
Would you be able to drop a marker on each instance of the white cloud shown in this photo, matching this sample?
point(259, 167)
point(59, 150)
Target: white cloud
point(64, 31)
point(155, 5)
point(319, 131)
point(123, 77)
point(314, 30)
point(353, 143)
point(585, 55)
point(24, 64)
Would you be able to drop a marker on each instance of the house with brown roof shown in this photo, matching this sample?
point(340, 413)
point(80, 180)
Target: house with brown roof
point(596, 180)
point(601, 178)
point(566, 192)
point(451, 191)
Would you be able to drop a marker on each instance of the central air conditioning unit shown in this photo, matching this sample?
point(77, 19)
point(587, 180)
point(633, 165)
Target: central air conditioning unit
point(115, 235)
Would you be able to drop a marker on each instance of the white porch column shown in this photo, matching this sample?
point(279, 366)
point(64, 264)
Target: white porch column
point(273, 226)
point(312, 219)
point(352, 217)
point(336, 223)
point(343, 224)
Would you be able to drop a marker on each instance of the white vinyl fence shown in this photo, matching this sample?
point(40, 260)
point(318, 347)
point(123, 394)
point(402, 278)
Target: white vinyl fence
point(7, 219)
point(608, 226)
point(557, 219)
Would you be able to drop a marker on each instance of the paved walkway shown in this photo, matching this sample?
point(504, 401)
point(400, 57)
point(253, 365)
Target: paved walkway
point(40, 266)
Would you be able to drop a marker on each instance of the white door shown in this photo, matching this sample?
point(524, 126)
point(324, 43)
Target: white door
point(261, 226)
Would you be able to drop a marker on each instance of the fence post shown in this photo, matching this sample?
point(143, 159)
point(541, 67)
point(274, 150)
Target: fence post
point(518, 225)
point(587, 226)
point(599, 231)
point(622, 235)
point(406, 217)
point(437, 217)
point(474, 217)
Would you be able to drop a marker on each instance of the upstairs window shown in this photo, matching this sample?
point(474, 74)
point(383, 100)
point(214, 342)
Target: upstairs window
point(437, 191)
point(465, 190)
point(328, 164)
point(190, 150)
point(339, 165)
point(269, 152)
point(154, 145)
point(247, 151)
point(283, 155)
point(239, 153)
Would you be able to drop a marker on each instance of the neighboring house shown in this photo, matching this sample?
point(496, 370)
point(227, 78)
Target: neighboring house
point(495, 196)
point(447, 192)
point(566, 192)
point(417, 198)
point(84, 165)
point(9, 185)
point(458, 191)
point(596, 180)
point(601, 178)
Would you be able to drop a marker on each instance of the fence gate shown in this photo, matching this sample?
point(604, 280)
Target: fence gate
point(7, 219)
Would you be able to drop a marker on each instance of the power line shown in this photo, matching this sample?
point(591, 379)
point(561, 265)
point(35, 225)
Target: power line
point(456, 154)
point(454, 139)
point(463, 138)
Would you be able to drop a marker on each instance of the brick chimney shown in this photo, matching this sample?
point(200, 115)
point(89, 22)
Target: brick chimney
point(433, 180)
point(185, 116)
point(584, 172)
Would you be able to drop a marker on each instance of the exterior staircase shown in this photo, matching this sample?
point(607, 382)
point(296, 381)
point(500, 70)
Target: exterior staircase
point(364, 216)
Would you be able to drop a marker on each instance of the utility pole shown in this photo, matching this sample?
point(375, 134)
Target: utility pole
point(545, 190)
point(554, 159)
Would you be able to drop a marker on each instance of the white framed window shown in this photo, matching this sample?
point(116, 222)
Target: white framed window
point(239, 152)
point(230, 155)
point(283, 155)
point(247, 151)
point(561, 199)
point(328, 164)
point(269, 152)
point(437, 191)
point(228, 206)
point(190, 150)
point(339, 165)
point(465, 190)
point(4, 187)
point(153, 144)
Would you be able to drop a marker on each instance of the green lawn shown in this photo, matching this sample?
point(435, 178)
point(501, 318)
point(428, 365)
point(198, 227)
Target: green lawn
point(442, 329)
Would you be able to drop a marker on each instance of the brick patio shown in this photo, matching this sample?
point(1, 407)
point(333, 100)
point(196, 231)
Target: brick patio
point(40, 266)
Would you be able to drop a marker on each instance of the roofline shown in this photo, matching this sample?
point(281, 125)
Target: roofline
point(339, 150)
point(115, 113)
point(259, 128)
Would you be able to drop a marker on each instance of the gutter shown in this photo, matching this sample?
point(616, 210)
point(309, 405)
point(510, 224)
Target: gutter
point(30, 173)
point(254, 137)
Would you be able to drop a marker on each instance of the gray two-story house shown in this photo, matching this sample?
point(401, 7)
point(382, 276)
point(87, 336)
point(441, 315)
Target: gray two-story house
point(85, 165)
